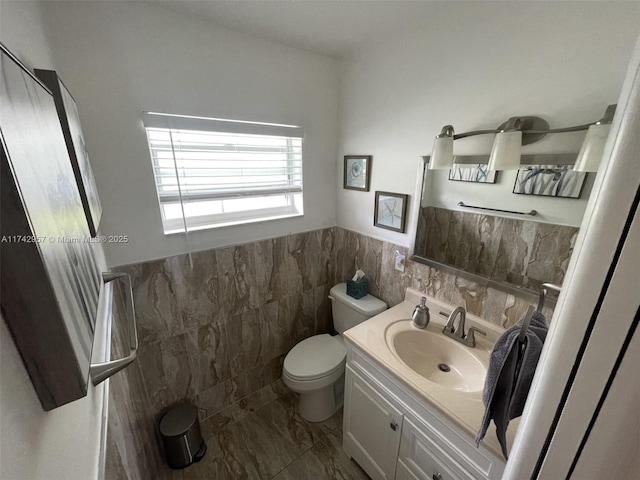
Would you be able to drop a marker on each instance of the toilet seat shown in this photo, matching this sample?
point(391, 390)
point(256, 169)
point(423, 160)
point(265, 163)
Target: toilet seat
point(315, 358)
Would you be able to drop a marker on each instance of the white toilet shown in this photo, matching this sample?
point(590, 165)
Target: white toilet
point(314, 368)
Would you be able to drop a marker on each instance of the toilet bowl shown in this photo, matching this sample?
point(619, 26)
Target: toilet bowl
point(314, 368)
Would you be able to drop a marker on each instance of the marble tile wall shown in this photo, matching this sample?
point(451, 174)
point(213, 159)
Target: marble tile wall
point(132, 448)
point(216, 334)
point(376, 259)
point(519, 252)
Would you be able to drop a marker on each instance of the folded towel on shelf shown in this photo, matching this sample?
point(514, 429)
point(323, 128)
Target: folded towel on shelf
point(509, 377)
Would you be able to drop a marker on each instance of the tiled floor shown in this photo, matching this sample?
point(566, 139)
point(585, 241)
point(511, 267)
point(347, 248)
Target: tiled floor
point(263, 437)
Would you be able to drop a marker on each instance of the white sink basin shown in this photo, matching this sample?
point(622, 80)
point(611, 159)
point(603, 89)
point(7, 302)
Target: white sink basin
point(437, 358)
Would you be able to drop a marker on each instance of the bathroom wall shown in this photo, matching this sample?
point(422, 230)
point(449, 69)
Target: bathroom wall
point(122, 58)
point(474, 65)
point(376, 258)
point(35, 444)
point(217, 332)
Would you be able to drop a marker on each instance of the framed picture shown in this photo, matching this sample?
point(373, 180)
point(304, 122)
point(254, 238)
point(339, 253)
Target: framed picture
point(357, 172)
point(549, 181)
point(49, 278)
point(390, 211)
point(478, 173)
point(73, 137)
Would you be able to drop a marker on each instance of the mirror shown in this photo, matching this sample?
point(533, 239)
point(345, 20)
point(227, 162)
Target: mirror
point(513, 230)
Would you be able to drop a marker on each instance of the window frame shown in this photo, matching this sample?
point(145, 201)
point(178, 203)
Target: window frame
point(292, 197)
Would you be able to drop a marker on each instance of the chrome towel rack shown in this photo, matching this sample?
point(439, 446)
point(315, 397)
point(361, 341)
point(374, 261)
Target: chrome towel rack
point(99, 372)
point(532, 213)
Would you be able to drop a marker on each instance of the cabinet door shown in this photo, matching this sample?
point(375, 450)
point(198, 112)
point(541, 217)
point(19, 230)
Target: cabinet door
point(418, 455)
point(372, 428)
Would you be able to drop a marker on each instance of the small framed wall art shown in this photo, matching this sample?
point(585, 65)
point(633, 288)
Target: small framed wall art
point(70, 122)
point(49, 288)
point(390, 211)
point(478, 173)
point(357, 172)
point(549, 181)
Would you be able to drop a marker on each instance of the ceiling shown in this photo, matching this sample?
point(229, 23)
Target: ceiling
point(327, 27)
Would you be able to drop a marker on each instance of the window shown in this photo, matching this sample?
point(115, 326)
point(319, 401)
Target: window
point(213, 172)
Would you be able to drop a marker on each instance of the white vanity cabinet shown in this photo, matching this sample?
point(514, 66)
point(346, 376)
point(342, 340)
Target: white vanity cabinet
point(394, 434)
point(373, 426)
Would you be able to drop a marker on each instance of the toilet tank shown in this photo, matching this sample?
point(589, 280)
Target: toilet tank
point(349, 312)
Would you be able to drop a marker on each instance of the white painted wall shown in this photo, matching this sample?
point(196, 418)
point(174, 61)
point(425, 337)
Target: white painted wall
point(473, 65)
point(22, 32)
point(62, 444)
point(121, 58)
point(65, 442)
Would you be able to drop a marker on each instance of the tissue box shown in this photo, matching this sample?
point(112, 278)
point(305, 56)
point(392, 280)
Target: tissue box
point(357, 289)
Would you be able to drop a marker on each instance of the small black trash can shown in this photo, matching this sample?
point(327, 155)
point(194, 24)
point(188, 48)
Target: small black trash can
point(180, 432)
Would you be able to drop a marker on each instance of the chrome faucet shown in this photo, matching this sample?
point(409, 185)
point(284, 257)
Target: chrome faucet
point(420, 315)
point(457, 333)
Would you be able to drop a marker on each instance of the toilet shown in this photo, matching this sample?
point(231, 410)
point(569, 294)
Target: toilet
point(314, 368)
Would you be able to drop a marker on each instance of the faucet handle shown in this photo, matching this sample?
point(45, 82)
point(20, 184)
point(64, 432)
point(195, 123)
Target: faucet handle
point(470, 338)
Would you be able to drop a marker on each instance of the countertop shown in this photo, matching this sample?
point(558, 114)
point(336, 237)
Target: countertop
point(464, 409)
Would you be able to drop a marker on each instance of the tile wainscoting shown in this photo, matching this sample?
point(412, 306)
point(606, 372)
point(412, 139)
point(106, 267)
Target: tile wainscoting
point(132, 447)
point(216, 334)
point(376, 259)
point(219, 332)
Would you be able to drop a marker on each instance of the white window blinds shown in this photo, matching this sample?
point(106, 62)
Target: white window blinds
point(214, 172)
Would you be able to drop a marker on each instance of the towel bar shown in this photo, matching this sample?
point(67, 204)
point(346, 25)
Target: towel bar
point(99, 372)
point(533, 213)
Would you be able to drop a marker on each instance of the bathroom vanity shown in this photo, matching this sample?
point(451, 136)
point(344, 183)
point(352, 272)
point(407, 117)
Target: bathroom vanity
point(405, 419)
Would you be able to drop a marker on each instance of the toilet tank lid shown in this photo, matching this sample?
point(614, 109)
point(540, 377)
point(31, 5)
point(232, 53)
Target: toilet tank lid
point(367, 305)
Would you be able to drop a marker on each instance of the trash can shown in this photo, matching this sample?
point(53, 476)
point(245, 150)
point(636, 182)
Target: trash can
point(181, 436)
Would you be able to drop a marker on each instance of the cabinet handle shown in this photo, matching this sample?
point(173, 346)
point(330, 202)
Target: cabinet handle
point(394, 426)
point(437, 476)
